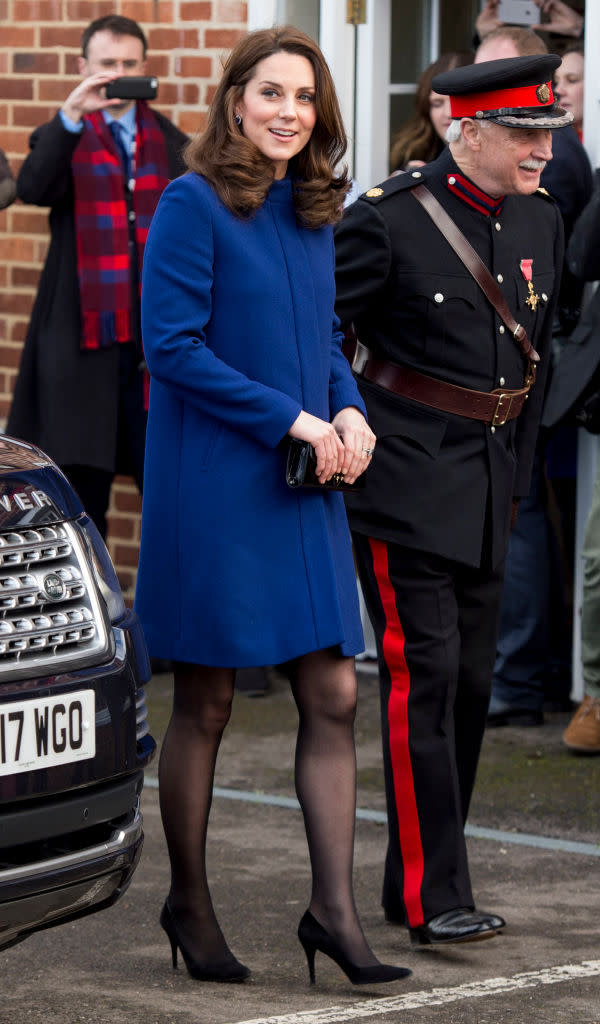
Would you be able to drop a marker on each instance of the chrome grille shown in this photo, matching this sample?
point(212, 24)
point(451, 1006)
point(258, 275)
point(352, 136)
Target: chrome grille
point(50, 619)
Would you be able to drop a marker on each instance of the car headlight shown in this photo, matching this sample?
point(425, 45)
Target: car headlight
point(104, 572)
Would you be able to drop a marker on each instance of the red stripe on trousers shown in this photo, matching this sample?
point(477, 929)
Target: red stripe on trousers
point(409, 831)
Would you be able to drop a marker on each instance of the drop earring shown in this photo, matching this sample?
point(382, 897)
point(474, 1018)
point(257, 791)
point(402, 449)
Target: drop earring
point(238, 119)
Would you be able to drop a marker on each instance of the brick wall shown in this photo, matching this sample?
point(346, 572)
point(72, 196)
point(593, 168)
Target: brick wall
point(39, 46)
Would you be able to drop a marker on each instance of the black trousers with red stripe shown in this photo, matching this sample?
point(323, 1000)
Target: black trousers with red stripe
point(436, 625)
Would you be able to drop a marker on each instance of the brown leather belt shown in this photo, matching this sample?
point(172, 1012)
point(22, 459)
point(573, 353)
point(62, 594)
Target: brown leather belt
point(493, 407)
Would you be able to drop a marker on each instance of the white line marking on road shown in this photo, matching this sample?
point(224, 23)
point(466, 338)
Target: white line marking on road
point(380, 817)
point(435, 997)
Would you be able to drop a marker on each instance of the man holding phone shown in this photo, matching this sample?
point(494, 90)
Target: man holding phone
point(100, 165)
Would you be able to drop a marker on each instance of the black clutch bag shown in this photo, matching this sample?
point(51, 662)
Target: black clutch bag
point(300, 470)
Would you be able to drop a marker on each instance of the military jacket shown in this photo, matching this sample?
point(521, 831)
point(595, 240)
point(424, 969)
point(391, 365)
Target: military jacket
point(441, 482)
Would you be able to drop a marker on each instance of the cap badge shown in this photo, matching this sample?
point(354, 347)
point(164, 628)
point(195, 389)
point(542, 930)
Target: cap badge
point(373, 193)
point(543, 93)
point(527, 272)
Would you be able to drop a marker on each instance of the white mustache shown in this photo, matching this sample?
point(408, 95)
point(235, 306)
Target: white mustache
point(533, 165)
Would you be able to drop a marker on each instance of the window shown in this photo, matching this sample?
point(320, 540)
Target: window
point(304, 14)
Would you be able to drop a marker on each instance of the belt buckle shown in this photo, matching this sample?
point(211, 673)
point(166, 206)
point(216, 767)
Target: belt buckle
point(499, 418)
point(361, 357)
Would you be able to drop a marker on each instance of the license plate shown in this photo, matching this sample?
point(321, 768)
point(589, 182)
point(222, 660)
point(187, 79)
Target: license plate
point(47, 731)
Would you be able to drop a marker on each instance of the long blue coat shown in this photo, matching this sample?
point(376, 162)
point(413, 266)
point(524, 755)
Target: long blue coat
point(239, 333)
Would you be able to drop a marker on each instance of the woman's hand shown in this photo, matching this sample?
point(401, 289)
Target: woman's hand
point(323, 436)
point(358, 440)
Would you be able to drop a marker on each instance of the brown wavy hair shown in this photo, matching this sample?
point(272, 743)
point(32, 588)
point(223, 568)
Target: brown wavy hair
point(417, 139)
point(240, 174)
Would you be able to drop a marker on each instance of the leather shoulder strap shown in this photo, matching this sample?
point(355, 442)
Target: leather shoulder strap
point(476, 267)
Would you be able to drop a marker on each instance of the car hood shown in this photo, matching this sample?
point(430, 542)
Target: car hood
point(33, 491)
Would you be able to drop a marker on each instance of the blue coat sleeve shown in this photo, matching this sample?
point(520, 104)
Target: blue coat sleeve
point(343, 390)
point(176, 309)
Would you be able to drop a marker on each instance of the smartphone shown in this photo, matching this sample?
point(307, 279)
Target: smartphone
point(133, 87)
point(518, 12)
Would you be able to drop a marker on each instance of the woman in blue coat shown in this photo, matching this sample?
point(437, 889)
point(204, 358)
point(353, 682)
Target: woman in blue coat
point(236, 569)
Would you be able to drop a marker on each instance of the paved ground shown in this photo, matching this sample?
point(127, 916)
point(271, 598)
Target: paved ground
point(114, 967)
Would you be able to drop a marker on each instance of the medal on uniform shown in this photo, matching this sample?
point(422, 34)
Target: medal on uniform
point(527, 272)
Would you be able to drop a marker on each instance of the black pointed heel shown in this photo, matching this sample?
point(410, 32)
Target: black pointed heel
point(229, 969)
point(313, 937)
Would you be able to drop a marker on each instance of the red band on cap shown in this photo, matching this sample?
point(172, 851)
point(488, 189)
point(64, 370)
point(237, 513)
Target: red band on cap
point(524, 96)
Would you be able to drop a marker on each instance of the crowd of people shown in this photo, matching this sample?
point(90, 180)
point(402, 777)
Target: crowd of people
point(193, 306)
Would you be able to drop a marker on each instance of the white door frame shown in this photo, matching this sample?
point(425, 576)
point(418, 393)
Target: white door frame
point(373, 96)
point(338, 41)
point(588, 448)
point(261, 14)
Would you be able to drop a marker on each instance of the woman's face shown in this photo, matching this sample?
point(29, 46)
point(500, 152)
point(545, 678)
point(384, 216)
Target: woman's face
point(568, 84)
point(439, 113)
point(278, 107)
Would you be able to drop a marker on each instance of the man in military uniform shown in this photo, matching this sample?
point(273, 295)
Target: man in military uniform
point(446, 374)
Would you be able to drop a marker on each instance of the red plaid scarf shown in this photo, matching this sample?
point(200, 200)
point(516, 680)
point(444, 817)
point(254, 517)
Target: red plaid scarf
point(101, 222)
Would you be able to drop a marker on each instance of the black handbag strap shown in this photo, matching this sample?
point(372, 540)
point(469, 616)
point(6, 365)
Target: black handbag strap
point(477, 268)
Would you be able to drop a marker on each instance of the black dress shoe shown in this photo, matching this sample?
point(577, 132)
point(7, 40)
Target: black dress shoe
point(495, 920)
point(460, 925)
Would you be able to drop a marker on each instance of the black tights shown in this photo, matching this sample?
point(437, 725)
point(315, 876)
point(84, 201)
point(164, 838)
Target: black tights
point(324, 688)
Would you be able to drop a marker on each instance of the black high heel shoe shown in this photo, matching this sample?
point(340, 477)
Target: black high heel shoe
point(313, 937)
point(228, 969)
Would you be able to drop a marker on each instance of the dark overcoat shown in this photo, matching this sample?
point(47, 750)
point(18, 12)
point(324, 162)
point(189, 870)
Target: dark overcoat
point(568, 179)
point(438, 481)
point(240, 335)
point(578, 366)
point(66, 400)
